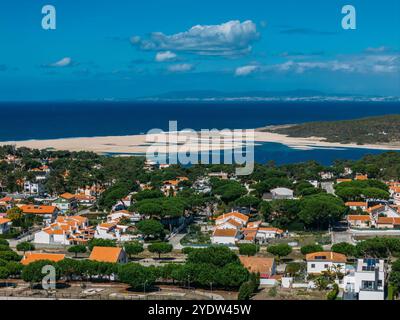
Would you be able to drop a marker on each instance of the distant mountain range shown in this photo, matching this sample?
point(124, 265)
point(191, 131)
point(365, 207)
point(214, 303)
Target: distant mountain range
point(295, 95)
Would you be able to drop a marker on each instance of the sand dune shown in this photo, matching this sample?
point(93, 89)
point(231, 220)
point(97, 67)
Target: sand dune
point(182, 142)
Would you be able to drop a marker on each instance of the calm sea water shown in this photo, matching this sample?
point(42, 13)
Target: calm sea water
point(45, 120)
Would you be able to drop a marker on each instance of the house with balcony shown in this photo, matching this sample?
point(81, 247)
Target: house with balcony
point(366, 281)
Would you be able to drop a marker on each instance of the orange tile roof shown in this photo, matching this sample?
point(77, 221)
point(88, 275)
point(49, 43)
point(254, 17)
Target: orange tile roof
point(254, 224)
point(250, 236)
point(258, 264)
point(234, 223)
point(67, 196)
point(4, 220)
point(53, 231)
point(234, 214)
point(224, 233)
point(105, 254)
point(379, 206)
point(6, 199)
point(356, 204)
point(388, 220)
point(361, 177)
point(30, 257)
point(172, 182)
point(344, 180)
point(326, 256)
point(358, 218)
point(32, 209)
point(271, 229)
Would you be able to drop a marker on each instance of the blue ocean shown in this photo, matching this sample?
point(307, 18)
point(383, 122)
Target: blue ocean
point(49, 120)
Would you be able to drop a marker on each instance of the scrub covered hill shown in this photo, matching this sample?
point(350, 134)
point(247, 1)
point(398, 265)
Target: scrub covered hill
point(382, 129)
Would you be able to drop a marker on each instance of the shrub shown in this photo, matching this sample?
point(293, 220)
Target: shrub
point(332, 295)
point(311, 249)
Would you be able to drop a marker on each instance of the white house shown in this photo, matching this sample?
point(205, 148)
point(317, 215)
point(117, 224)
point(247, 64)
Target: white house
point(395, 194)
point(359, 221)
point(355, 205)
point(112, 231)
point(225, 236)
point(265, 233)
point(282, 193)
point(230, 224)
point(319, 262)
point(33, 188)
point(388, 223)
point(4, 225)
point(116, 216)
point(66, 231)
point(367, 281)
point(108, 254)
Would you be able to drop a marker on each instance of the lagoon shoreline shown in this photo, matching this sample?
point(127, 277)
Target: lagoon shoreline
point(138, 144)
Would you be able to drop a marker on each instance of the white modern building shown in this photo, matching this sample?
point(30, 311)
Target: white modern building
point(33, 188)
point(367, 281)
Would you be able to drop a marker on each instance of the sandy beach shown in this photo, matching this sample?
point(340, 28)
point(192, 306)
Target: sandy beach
point(183, 142)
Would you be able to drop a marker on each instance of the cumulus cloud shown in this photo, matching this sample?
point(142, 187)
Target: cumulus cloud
point(245, 70)
point(226, 39)
point(165, 56)
point(183, 67)
point(64, 62)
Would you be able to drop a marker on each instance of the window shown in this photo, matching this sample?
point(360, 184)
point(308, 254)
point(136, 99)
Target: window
point(313, 266)
point(367, 285)
point(326, 266)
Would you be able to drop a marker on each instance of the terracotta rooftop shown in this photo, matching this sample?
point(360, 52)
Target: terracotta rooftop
point(32, 209)
point(30, 257)
point(105, 254)
point(224, 233)
point(326, 256)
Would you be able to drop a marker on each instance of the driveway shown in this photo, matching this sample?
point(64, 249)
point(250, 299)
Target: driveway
point(176, 241)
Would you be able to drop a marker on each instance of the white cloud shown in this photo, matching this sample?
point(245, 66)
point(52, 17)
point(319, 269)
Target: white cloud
point(377, 50)
point(64, 62)
point(226, 39)
point(183, 67)
point(245, 70)
point(364, 64)
point(165, 56)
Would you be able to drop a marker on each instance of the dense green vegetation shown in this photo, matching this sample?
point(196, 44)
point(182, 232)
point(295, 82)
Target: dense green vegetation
point(382, 129)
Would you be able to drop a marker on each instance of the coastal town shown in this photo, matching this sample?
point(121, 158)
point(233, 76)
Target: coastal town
point(130, 228)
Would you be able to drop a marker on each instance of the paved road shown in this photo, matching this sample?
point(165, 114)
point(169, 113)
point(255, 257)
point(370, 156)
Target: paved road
point(176, 241)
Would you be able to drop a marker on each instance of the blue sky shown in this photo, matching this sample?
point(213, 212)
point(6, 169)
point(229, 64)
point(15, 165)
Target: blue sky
point(126, 49)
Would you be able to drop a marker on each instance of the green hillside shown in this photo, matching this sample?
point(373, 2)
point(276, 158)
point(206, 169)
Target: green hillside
point(382, 129)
